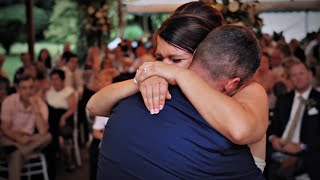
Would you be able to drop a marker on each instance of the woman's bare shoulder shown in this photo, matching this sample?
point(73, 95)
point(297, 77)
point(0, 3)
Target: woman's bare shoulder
point(252, 87)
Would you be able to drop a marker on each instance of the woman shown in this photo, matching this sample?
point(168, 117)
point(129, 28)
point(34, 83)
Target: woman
point(44, 59)
point(62, 105)
point(195, 20)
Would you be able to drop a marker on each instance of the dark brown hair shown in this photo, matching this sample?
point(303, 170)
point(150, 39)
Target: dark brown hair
point(189, 25)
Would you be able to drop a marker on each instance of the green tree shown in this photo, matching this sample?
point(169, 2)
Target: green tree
point(13, 24)
point(63, 23)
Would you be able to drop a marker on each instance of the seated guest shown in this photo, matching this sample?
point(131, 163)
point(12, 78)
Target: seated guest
point(4, 89)
point(267, 78)
point(44, 59)
point(295, 129)
point(73, 75)
point(27, 67)
point(2, 60)
point(62, 105)
point(21, 114)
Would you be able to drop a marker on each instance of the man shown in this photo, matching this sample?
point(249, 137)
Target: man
point(27, 67)
point(178, 143)
point(73, 74)
point(21, 114)
point(295, 129)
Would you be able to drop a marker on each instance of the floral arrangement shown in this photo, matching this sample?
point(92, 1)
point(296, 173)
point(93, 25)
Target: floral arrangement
point(237, 12)
point(97, 23)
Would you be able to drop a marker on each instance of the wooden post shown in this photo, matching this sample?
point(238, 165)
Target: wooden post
point(120, 17)
point(30, 28)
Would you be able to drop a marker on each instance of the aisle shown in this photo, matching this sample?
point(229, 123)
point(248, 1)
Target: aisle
point(81, 173)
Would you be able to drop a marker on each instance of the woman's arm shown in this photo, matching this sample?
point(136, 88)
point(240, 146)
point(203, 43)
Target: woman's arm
point(71, 110)
point(242, 118)
point(101, 103)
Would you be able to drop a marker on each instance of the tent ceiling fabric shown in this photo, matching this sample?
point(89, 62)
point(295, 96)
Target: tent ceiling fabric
point(158, 6)
point(153, 6)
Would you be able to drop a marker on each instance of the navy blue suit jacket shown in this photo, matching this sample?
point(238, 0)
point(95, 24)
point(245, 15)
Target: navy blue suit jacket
point(177, 143)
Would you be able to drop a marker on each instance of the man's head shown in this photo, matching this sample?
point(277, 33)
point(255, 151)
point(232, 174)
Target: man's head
point(66, 47)
point(300, 76)
point(228, 57)
point(25, 87)
point(2, 60)
point(72, 62)
point(264, 62)
point(25, 58)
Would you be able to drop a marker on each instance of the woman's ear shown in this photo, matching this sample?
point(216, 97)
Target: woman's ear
point(231, 85)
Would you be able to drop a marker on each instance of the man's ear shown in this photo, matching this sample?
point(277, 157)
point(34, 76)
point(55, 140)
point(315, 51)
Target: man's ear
point(231, 85)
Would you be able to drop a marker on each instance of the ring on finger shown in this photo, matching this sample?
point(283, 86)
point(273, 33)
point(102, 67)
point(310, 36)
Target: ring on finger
point(145, 70)
point(135, 81)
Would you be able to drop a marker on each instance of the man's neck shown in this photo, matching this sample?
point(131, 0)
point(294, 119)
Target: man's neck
point(301, 91)
point(24, 102)
point(206, 76)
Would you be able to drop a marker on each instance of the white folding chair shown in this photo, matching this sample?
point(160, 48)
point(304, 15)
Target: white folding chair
point(33, 165)
point(75, 135)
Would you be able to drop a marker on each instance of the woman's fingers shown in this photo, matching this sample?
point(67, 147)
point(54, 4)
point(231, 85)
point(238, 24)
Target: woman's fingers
point(154, 91)
point(149, 97)
point(155, 97)
point(168, 95)
point(143, 91)
point(163, 92)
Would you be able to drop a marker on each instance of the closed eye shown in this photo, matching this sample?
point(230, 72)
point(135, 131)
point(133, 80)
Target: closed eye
point(159, 58)
point(176, 60)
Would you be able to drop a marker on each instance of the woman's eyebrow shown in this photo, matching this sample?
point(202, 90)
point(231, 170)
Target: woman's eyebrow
point(176, 55)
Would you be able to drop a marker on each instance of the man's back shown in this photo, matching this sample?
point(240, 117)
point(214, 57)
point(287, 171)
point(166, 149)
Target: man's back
point(177, 143)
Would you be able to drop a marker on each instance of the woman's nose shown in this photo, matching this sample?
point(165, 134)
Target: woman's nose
point(167, 61)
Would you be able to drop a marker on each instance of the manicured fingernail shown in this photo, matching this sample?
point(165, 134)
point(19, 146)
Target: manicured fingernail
point(156, 111)
point(161, 107)
point(152, 111)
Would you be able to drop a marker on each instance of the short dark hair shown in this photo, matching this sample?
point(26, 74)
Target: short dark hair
point(58, 72)
point(24, 77)
point(295, 61)
point(229, 51)
point(69, 56)
point(189, 25)
point(23, 54)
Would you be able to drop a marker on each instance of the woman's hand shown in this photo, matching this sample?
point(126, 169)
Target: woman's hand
point(62, 121)
point(154, 91)
point(167, 71)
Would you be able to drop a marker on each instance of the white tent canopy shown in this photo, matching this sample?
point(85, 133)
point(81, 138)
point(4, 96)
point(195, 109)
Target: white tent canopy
point(153, 6)
point(157, 6)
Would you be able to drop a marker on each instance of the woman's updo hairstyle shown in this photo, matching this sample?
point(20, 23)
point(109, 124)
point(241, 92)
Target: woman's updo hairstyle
point(189, 25)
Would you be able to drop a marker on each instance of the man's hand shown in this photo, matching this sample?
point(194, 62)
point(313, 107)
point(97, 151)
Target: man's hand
point(24, 139)
point(292, 148)
point(277, 143)
point(34, 101)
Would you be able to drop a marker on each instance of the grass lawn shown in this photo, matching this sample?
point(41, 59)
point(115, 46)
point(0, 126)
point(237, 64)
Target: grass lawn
point(13, 59)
